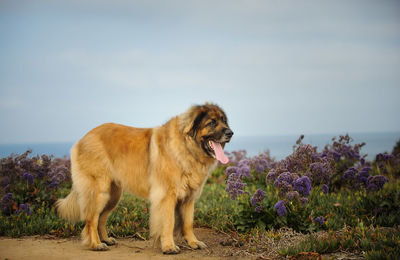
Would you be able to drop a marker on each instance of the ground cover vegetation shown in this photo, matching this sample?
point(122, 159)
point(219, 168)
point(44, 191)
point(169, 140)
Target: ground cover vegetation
point(335, 198)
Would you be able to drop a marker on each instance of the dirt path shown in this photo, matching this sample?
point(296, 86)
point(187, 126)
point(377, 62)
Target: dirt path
point(43, 248)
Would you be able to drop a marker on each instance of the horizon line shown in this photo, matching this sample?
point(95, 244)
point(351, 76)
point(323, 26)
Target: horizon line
point(332, 134)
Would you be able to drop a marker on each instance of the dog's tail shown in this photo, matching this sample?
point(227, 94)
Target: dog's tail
point(68, 208)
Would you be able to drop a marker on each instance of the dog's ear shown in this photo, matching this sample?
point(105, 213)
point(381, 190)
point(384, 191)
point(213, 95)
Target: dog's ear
point(193, 119)
point(196, 123)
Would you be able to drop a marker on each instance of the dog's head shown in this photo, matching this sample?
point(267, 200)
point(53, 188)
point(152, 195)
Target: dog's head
point(208, 126)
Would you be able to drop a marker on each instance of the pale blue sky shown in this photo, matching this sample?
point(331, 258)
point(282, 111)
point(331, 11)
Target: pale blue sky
point(276, 67)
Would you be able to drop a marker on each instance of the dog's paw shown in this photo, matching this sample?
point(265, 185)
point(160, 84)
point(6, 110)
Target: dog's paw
point(197, 245)
point(101, 247)
point(171, 250)
point(110, 241)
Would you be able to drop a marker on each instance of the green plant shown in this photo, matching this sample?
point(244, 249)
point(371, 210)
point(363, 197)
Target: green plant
point(377, 243)
point(214, 209)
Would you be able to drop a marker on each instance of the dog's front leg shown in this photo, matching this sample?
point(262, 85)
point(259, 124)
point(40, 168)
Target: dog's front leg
point(187, 211)
point(162, 220)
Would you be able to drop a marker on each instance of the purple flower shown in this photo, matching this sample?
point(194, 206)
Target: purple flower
point(354, 155)
point(379, 157)
point(317, 156)
point(258, 197)
point(285, 177)
point(375, 183)
point(292, 195)
point(258, 209)
point(366, 169)
point(243, 162)
point(54, 185)
point(235, 185)
point(283, 182)
point(350, 173)
point(231, 169)
point(336, 156)
point(294, 176)
point(27, 177)
point(24, 208)
point(280, 208)
point(40, 174)
point(302, 185)
point(260, 168)
point(7, 203)
point(236, 156)
point(325, 188)
point(343, 149)
point(362, 160)
point(303, 200)
point(272, 175)
point(300, 159)
point(362, 176)
point(260, 164)
point(244, 170)
point(383, 157)
point(320, 172)
point(59, 173)
point(8, 197)
point(319, 220)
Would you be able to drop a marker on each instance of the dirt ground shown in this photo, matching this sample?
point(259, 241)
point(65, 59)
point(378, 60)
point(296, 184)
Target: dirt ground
point(220, 246)
point(47, 247)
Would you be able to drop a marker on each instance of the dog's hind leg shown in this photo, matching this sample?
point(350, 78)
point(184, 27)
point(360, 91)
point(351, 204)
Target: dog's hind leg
point(115, 195)
point(94, 197)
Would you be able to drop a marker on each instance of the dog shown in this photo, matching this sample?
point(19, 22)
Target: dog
point(167, 165)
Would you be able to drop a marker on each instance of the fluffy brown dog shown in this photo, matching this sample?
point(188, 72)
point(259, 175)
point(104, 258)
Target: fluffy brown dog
point(168, 165)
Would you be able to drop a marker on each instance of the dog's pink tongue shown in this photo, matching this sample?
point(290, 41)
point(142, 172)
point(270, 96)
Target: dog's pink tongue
point(219, 152)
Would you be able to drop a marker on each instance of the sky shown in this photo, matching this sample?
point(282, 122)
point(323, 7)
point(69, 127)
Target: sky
point(275, 67)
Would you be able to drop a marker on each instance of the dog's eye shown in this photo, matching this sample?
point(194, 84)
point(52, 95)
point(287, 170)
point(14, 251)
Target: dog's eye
point(212, 123)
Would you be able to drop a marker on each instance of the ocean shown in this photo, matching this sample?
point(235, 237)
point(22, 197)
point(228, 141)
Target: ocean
point(279, 146)
point(282, 146)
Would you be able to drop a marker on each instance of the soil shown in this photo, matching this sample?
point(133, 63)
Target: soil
point(48, 247)
point(220, 246)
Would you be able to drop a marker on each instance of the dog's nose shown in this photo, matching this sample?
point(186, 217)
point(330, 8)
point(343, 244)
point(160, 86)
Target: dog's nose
point(228, 133)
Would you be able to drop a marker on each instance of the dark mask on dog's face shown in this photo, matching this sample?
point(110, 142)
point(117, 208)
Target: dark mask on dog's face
point(211, 130)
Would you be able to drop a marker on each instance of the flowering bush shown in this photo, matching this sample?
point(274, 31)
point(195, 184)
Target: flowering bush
point(235, 176)
point(28, 182)
point(246, 170)
point(308, 190)
point(388, 164)
point(290, 183)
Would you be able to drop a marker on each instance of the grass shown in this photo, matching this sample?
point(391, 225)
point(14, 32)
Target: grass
point(44, 221)
point(377, 243)
point(213, 210)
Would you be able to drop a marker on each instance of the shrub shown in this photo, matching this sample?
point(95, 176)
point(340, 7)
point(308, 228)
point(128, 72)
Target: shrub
point(27, 183)
point(307, 183)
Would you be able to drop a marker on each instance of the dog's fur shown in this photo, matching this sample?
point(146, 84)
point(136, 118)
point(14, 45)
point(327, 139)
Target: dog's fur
point(168, 165)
